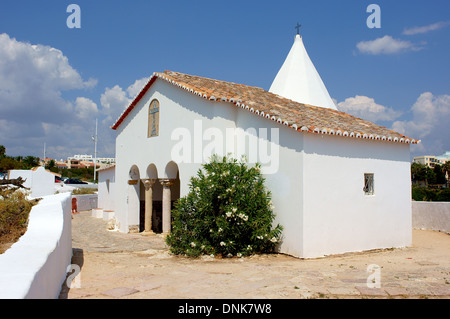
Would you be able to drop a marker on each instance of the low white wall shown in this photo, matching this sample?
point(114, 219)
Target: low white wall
point(431, 216)
point(35, 267)
point(86, 202)
point(40, 181)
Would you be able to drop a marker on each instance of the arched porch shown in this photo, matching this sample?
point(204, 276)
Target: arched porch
point(157, 198)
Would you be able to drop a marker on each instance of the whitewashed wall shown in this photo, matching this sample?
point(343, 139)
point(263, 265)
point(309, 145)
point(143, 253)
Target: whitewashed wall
point(86, 202)
point(35, 267)
point(431, 216)
point(338, 216)
point(106, 189)
point(40, 182)
point(144, 151)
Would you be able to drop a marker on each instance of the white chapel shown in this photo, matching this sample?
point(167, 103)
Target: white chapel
point(338, 183)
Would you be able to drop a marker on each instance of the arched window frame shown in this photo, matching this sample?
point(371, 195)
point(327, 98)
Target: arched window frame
point(153, 118)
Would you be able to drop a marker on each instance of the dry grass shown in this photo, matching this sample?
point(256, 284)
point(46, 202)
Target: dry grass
point(14, 212)
point(84, 191)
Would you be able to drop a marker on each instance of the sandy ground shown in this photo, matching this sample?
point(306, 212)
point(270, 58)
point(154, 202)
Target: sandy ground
point(117, 265)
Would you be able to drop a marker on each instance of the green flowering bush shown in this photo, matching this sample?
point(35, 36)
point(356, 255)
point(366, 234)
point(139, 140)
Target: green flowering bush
point(227, 212)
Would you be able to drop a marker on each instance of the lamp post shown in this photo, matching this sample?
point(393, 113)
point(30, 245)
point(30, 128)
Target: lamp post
point(94, 138)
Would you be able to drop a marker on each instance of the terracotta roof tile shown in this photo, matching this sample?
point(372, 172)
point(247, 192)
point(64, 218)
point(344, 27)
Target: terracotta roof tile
point(301, 117)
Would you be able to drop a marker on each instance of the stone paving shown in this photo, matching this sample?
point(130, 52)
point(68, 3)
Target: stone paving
point(118, 265)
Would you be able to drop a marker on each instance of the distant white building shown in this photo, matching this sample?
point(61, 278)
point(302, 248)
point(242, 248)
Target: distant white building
point(40, 181)
point(90, 159)
point(338, 183)
point(432, 160)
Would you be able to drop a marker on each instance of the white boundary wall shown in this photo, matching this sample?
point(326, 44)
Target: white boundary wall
point(431, 216)
point(86, 202)
point(35, 267)
point(40, 182)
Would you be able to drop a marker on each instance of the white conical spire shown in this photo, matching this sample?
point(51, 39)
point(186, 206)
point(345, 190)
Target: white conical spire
point(298, 79)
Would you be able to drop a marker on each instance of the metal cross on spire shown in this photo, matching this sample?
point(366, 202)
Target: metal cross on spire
point(298, 27)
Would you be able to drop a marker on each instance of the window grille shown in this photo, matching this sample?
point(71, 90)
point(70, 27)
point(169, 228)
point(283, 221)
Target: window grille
point(368, 184)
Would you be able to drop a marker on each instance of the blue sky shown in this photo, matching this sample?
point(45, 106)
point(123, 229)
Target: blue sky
point(396, 76)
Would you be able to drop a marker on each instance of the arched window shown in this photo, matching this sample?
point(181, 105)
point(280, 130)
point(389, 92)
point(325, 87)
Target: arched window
point(153, 118)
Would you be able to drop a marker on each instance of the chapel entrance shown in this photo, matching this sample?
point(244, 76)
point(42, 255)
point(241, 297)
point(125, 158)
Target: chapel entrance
point(157, 199)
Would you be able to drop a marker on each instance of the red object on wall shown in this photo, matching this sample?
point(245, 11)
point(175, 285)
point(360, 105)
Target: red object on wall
point(74, 206)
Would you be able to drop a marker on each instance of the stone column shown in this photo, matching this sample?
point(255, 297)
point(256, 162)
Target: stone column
point(166, 205)
point(148, 184)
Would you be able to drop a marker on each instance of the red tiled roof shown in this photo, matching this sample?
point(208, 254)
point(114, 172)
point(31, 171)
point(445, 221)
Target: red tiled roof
point(301, 117)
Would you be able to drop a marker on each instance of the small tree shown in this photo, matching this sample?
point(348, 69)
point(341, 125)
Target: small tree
point(227, 212)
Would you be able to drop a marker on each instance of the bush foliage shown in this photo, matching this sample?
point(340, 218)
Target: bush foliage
point(430, 194)
point(14, 211)
point(227, 212)
point(84, 191)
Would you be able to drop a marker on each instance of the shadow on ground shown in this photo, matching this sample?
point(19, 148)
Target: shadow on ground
point(72, 271)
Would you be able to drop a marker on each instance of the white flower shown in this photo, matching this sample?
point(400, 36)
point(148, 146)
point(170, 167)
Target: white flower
point(234, 209)
point(243, 216)
point(259, 237)
point(239, 255)
point(229, 214)
point(220, 230)
point(229, 255)
point(249, 247)
point(273, 240)
point(222, 243)
point(193, 244)
point(197, 189)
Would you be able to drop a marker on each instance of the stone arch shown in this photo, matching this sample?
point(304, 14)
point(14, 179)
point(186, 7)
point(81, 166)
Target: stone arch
point(133, 173)
point(171, 170)
point(152, 171)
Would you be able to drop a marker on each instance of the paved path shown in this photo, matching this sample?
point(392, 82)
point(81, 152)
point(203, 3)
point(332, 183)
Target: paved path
point(117, 265)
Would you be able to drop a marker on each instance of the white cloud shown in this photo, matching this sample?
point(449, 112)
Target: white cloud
point(115, 100)
point(386, 45)
point(32, 107)
point(136, 87)
point(430, 123)
point(425, 29)
point(365, 107)
point(85, 108)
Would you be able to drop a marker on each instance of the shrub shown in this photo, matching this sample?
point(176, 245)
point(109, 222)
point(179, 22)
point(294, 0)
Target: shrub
point(430, 194)
point(227, 212)
point(84, 191)
point(14, 211)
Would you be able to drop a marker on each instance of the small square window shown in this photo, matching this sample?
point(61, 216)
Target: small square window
point(368, 184)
